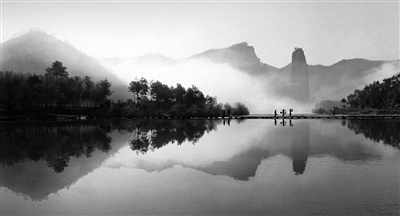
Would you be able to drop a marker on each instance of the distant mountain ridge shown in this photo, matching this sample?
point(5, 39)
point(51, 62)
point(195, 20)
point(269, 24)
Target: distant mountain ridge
point(35, 50)
point(326, 82)
point(240, 56)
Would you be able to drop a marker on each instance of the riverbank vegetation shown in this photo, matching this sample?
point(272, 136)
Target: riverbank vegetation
point(53, 92)
point(158, 99)
point(375, 98)
point(56, 93)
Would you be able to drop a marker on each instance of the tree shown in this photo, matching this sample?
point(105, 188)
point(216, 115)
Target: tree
point(140, 88)
point(57, 69)
point(162, 95)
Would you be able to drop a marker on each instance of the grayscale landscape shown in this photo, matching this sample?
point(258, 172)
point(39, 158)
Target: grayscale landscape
point(199, 108)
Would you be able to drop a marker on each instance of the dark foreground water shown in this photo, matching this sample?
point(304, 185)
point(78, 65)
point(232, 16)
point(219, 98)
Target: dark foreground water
point(302, 167)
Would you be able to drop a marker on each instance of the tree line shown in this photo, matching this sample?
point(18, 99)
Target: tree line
point(30, 92)
point(156, 98)
point(377, 95)
point(55, 91)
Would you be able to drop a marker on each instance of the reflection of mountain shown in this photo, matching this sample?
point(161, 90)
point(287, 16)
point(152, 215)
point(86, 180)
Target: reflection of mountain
point(386, 131)
point(300, 145)
point(42, 158)
point(44, 143)
point(240, 166)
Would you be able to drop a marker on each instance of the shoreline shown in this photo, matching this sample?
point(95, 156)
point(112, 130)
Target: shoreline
point(252, 116)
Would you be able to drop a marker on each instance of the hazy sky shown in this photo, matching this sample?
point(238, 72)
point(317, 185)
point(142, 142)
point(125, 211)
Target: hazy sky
point(327, 31)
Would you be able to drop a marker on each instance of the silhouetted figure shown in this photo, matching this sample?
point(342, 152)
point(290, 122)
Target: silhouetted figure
point(275, 115)
point(223, 113)
point(283, 113)
point(275, 121)
point(229, 113)
point(229, 122)
point(333, 111)
point(290, 112)
point(283, 123)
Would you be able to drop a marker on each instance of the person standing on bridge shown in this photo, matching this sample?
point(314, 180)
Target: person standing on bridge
point(223, 114)
point(275, 114)
point(283, 113)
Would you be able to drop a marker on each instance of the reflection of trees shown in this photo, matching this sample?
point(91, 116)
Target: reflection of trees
point(151, 135)
point(300, 143)
point(54, 143)
point(386, 131)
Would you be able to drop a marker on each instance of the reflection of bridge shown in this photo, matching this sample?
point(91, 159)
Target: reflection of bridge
point(271, 116)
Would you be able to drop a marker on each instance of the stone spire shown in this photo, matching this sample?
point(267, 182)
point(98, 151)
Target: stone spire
point(299, 76)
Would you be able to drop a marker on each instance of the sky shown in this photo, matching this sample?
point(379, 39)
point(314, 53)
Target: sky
point(327, 31)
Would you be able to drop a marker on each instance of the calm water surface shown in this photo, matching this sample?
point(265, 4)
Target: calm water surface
point(128, 167)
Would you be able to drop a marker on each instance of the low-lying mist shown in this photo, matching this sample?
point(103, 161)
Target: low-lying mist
point(228, 84)
point(387, 70)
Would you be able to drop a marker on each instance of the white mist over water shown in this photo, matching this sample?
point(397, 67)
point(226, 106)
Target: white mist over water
point(228, 84)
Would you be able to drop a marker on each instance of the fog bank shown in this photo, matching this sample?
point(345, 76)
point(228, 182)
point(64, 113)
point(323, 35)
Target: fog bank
point(228, 84)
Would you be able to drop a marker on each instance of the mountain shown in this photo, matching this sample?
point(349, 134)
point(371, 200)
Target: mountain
point(36, 50)
point(300, 88)
point(337, 81)
point(326, 82)
point(240, 56)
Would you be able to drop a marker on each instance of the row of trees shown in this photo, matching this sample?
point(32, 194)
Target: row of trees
point(53, 89)
point(156, 98)
point(26, 93)
point(377, 95)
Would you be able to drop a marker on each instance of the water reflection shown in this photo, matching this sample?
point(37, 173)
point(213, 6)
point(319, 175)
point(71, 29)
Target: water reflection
point(54, 143)
point(299, 146)
point(152, 135)
point(386, 131)
point(65, 152)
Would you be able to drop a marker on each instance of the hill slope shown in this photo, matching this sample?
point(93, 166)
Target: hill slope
point(36, 50)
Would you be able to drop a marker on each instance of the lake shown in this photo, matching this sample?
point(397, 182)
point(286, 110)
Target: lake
point(201, 167)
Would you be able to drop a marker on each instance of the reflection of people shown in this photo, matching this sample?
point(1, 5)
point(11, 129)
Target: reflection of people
point(275, 121)
point(229, 122)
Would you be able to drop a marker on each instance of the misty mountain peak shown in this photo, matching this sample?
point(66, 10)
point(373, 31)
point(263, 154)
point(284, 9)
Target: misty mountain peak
point(298, 55)
point(240, 56)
